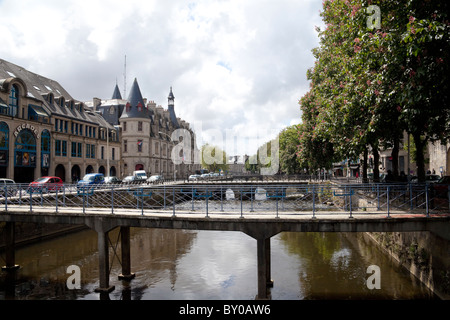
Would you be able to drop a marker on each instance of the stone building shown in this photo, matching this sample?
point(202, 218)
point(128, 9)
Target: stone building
point(146, 133)
point(45, 131)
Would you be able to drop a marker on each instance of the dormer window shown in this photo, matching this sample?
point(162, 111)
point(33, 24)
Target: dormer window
point(128, 107)
point(14, 101)
point(139, 107)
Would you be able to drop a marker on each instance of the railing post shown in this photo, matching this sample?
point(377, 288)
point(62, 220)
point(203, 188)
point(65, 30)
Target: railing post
point(164, 187)
point(31, 198)
point(378, 197)
point(350, 196)
point(206, 196)
point(56, 196)
point(387, 190)
point(112, 199)
point(193, 198)
point(410, 195)
point(426, 200)
point(241, 202)
point(221, 198)
point(314, 202)
point(251, 198)
point(173, 200)
point(6, 198)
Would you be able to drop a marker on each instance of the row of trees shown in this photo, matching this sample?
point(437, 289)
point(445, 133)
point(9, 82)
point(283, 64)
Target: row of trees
point(381, 69)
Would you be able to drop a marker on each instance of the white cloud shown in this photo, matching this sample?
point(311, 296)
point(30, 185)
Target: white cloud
point(234, 65)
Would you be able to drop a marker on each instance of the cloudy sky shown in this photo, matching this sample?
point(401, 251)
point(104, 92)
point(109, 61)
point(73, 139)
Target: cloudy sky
point(237, 67)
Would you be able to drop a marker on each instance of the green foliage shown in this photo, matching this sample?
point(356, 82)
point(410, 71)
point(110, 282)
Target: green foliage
point(213, 158)
point(368, 86)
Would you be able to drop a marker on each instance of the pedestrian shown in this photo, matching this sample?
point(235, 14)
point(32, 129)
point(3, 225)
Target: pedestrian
point(389, 177)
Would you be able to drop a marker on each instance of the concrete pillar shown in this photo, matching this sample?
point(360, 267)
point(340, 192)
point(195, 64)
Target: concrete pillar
point(126, 256)
point(269, 281)
point(263, 254)
point(103, 259)
point(10, 257)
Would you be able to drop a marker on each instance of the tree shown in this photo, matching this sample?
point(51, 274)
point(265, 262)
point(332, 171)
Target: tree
point(369, 85)
point(214, 158)
point(289, 141)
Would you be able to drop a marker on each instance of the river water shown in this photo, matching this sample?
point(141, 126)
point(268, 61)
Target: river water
point(178, 264)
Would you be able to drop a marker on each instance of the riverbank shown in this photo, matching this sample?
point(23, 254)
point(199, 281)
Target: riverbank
point(29, 233)
point(423, 254)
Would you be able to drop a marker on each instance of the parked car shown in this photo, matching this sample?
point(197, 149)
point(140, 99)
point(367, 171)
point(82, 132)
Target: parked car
point(91, 179)
point(441, 187)
point(155, 179)
point(140, 175)
point(429, 178)
point(194, 177)
point(112, 180)
point(10, 186)
point(46, 184)
point(129, 179)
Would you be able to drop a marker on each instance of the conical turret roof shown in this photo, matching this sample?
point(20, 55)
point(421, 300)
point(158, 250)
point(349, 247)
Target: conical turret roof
point(135, 107)
point(116, 94)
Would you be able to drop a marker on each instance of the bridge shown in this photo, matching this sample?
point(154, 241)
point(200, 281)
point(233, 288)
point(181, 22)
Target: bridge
point(260, 211)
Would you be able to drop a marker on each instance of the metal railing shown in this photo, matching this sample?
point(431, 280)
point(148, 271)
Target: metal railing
point(243, 200)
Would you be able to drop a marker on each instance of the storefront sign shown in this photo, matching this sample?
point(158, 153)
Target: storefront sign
point(29, 127)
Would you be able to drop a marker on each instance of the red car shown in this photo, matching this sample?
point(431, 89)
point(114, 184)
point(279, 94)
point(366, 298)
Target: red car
point(46, 184)
point(441, 187)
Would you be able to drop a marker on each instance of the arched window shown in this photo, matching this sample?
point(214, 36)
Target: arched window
point(25, 149)
point(45, 149)
point(4, 143)
point(14, 101)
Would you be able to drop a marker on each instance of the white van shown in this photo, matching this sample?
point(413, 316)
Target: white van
point(140, 175)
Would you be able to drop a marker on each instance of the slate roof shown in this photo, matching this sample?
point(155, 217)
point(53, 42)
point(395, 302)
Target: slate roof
point(39, 88)
point(136, 107)
point(173, 117)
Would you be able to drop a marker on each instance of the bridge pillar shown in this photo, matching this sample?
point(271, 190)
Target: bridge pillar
point(10, 255)
point(126, 254)
point(264, 279)
point(103, 259)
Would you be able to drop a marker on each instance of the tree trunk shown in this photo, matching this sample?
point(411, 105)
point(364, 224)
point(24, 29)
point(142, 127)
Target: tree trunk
point(364, 167)
point(394, 155)
point(376, 162)
point(420, 157)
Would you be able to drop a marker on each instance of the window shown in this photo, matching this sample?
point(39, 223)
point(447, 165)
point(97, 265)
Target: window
point(139, 145)
point(124, 126)
point(80, 150)
point(64, 148)
point(74, 149)
point(88, 151)
point(113, 156)
point(102, 151)
point(139, 125)
point(56, 124)
point(14, 101)
point(93, 151)
point(58, 148)
point(125, 145)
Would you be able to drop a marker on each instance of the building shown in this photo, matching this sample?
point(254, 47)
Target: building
point(146, 133)
point(45, 131)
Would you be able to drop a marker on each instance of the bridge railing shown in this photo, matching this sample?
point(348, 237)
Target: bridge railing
point(245, 199)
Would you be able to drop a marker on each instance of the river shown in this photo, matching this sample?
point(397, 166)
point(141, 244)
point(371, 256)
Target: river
point(204, 265)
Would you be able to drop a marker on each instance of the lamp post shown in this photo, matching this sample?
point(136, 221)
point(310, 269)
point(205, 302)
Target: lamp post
point(174, 171)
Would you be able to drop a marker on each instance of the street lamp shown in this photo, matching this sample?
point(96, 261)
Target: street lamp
point(174, 171)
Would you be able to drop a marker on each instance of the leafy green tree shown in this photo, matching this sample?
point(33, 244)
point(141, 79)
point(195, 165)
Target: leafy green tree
point(214, 159)
point(369, 85)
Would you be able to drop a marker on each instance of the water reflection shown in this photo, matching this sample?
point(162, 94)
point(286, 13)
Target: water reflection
point(177, 264)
